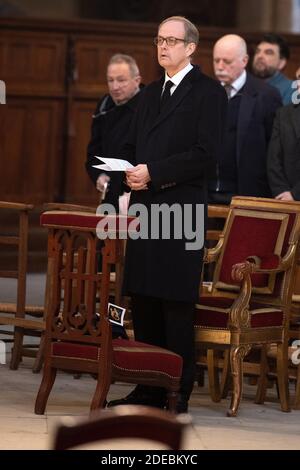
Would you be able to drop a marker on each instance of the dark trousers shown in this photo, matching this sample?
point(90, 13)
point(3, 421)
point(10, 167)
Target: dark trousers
point(170, 325)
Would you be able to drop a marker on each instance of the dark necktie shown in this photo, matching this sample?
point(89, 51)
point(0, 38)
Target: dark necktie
point(166, 94)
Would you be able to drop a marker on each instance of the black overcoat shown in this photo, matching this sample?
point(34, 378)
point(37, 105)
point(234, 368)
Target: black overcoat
point(109, 133)
point(284, 152)
point(259, 103)
point(179, 146)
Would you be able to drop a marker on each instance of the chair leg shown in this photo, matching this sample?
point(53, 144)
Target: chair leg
point(237, 355)
point(263, 377)
point(172, 401)
point(226, 376)
point(297, 392)
point(38, 363)
point(16, 353)
point(44, 390)
point(213, 376)
point(282, 376)
point(100, 394)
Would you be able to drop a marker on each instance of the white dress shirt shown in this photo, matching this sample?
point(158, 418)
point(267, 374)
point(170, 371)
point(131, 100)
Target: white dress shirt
point(177, 78)
point(238, 84)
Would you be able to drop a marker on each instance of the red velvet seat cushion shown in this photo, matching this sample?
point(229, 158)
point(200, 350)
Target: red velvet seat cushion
point(140, 356)
point(127, 355)
point(213, 312)
point(80, 220)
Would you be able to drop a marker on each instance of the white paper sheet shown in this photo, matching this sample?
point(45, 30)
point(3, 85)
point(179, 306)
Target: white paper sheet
point(113, 164)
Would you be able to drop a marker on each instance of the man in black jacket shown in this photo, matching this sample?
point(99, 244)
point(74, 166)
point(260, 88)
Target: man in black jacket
point(111, 121)
point(242, 166)
point(284, 152)
point(174, 140)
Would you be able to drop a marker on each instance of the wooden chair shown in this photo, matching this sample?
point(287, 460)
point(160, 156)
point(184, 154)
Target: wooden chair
point(220, 213)
point(268, 371)
point(252, 288)
point(217, 215)
point(78, 333)
point(125, 421)
point(17, 313)
point(116, 277)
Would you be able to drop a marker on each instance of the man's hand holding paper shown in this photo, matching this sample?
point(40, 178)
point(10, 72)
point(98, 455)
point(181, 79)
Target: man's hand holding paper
point(138, 177)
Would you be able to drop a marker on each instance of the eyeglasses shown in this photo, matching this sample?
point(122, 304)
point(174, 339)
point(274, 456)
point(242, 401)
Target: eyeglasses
point(170, 41)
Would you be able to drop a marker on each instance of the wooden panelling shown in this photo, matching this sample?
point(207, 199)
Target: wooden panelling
point(33, 63)
point(55, 71)
point(31, 150)
point(78, 186)
point(92, 56)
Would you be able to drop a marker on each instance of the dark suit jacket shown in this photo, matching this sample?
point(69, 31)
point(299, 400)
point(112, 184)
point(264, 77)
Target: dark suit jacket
point(259, 103)
point(284, 152)
point(180, 146)
point(109, 133)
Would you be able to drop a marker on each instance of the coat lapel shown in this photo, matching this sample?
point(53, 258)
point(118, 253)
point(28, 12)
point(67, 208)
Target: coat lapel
point(246, 108)
point(178, 95)
point(154, 99)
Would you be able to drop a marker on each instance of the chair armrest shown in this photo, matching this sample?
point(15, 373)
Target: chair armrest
point(56, 206)
point(219, 211)
point(257, 265)
point(266, 262)
point(273, 264)
point(239, 315)
point(212, 254)
point(17, 206)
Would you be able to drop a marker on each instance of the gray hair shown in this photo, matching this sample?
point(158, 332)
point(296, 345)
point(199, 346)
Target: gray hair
point(125, 59)
point(191, 31)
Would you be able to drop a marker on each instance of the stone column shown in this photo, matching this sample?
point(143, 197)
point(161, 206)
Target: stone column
point(255, 15)
point(287, 18)
point(269, 15)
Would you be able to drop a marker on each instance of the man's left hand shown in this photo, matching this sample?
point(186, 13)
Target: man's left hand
point(138, 177)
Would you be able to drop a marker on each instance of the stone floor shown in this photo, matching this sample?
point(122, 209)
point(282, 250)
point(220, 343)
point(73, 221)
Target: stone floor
point(256, 427)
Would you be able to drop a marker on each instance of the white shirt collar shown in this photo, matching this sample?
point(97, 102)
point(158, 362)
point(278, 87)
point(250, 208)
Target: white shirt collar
point(238, 84)
point(178, 77)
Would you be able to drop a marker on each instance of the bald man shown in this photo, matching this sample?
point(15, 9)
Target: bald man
point(252, 105)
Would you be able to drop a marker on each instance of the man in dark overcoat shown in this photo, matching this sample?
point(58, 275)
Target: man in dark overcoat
point(284, 153)
point(174, 141)
point(111, 122)
point(242, 165)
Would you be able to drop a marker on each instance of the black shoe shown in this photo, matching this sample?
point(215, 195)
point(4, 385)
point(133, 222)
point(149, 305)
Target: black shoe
point(138, 398)
point(182, 406)
point(182, 403)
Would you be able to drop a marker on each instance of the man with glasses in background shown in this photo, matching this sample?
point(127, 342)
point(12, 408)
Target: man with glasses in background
point(174, 141)
point(111, 122)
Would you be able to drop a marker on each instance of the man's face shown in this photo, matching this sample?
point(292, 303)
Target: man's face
point(174, 58)
point(121, 85)
point(267, 61)
point(229, 63)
